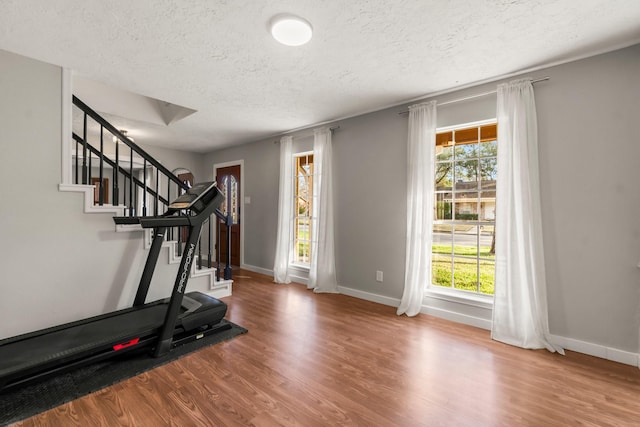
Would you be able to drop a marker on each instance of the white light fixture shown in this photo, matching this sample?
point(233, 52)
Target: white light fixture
point(291, 30)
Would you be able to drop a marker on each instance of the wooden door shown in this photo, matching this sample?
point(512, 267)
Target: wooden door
point(96, 191)
point(230, 176)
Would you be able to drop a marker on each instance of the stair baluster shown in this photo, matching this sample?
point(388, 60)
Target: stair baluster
point(116, 173)
point(101, 183)
point(84, 151)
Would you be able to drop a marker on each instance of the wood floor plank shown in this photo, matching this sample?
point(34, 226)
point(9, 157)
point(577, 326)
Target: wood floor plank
point(329, 360)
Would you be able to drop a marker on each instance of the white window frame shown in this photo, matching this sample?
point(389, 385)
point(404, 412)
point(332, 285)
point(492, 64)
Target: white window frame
point(295, 264)
point(452, 294)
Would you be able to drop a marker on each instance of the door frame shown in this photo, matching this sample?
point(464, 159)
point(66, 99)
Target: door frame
point(217, 166)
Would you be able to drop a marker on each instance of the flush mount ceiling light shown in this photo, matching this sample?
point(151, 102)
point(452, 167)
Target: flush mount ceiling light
point(291, 30)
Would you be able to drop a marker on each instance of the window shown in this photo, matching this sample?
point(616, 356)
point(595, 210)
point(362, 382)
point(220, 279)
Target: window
point(463, 252)
point(303, 207)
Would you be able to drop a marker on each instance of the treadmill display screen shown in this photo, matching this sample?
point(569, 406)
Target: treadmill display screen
point(193, 194)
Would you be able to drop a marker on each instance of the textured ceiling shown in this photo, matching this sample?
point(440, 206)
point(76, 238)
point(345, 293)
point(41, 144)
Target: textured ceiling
point(217, 56)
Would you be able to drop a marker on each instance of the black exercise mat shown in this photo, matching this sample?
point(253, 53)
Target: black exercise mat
point(25, 401)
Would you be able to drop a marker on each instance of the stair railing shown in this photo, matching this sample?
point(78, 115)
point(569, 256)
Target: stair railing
point(153, 181)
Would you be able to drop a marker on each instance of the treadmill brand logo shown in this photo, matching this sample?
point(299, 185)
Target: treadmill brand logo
point(185, 271)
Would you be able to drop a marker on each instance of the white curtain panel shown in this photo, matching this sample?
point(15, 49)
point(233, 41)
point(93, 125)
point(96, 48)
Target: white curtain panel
point(285, 212)
point(520, 303)
point(322, 271)
point(420, 198)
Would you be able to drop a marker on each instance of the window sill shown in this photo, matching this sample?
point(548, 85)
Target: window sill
point(460, 297)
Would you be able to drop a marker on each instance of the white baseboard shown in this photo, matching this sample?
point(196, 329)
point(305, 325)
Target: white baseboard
point(432, 311)
point(597, 350)
point(292, 274)
point(255, 269)
point(368, 296)
point(465, 319)
point(299, 279)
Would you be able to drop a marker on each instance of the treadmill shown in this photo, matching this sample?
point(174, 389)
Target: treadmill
point(156, 326)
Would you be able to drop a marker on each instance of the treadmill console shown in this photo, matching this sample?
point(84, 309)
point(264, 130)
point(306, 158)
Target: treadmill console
point(202, 192)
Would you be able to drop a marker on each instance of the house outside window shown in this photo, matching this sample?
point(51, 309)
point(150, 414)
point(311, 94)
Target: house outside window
point(463, 251)
point(303, 208)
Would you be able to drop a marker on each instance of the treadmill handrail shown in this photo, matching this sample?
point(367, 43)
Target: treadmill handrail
point(126, 220)
point(166, 221)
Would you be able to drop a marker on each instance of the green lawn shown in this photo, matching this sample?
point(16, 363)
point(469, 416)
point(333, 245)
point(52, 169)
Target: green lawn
point(465, 275)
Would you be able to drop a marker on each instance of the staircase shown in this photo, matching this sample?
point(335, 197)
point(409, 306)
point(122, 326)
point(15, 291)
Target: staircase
point(119, 178)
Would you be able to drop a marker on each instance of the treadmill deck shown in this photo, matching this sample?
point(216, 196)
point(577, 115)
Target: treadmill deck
point(39, 351)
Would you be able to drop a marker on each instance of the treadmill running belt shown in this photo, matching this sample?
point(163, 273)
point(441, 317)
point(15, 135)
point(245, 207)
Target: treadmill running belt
point(72, 342)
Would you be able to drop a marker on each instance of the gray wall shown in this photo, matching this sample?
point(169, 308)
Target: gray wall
point(261, 185)
point(588, 112)
point(58, 264)
point(173, 159)
point(589, 151)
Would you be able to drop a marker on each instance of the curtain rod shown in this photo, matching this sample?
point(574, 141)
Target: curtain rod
point(332, 129)
point(479, 95)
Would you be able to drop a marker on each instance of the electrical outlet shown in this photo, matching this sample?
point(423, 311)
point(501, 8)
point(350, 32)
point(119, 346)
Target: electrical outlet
point(378, 276)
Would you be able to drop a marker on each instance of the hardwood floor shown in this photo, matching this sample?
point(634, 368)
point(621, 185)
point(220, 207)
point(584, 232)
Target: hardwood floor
point(327, 360)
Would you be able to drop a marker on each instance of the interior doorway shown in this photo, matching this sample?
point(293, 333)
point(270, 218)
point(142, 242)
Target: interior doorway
point(229, 178)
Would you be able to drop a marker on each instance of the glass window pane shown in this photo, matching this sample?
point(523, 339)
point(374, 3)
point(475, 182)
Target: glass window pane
point(466, 206)
point(465, 262)
point(442, 239)
point(296, 251)
point(301, 207)
point(441, 254)
point(489, 148)
point(488, 171)
point(301, 251)
point(467, 151)
point(444, 154)
point(487, 275)
point(302, 229)
point(303, 186)
point(234, 200)
point(487, 242)
point(443, 206)
point(444, 176)
point(465, 240)
point(305, 252)
point(441, 270)
point(466, 174)
point(487, 206)
point(465, 274)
